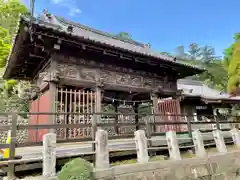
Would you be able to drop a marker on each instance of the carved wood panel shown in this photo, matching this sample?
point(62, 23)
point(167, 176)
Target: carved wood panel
point(40, 80)
point(114, 76)
point(69, 71)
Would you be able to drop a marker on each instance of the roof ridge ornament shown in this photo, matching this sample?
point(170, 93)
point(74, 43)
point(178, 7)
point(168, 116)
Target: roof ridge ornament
point(51, 18)
point(148, 45)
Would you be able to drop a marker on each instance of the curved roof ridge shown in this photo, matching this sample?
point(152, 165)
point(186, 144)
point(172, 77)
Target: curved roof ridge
point(103, 33)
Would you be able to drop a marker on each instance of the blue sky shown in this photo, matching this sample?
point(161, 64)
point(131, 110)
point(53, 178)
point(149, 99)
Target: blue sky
point(165, 24)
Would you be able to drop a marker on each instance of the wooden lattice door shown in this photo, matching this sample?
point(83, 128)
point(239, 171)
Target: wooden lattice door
point(79, 106)
point(170, 108)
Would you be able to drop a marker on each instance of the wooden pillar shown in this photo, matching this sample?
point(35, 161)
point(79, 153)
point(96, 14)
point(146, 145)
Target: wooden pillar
point(135, 108)
point(115, 104)
point(52, 80)
point(98, 109)
point(154, 98)
point(98, 103)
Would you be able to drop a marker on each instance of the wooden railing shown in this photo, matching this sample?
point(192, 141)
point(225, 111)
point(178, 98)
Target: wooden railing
point(125, 129)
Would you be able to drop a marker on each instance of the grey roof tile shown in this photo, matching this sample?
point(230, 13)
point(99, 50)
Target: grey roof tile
point(94, 35)
point(193, 88)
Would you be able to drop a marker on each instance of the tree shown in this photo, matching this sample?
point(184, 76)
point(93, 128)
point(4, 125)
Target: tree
point(229, 51)
point(166, 53)
point(124, 35)
point(228, 56)
point(234, 69)
point(215, 75)
point(10, 11)
point(207, 54)
point(4, 46)
point(194, 51)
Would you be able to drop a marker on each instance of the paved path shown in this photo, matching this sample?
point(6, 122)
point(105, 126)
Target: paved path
point(71, 149)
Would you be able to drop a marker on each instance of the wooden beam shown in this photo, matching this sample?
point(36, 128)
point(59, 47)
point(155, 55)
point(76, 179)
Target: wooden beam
point(41, 65)
point(113, 51)
point(122, 56)
point(36, 56)
point(105, 52)
point(98, 48)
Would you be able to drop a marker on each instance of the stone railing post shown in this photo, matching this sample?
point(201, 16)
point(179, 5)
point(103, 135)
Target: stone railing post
point(219, 140)
point(235, 136)
point(49, 155)
point(141, 146)
point(102, 152)
point(199, 144)
point(173, 146)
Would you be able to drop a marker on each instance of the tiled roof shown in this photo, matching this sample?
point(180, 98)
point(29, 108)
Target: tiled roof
point(87, 33)
point(193, 88)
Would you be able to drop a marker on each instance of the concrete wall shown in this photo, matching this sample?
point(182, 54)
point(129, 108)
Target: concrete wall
point(216, 167)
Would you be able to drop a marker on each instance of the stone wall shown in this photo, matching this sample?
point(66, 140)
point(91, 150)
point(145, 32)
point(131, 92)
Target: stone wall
point(216, 167)
point(22, 135)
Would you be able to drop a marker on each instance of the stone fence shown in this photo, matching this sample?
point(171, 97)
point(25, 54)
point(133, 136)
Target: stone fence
point(22, 134)
point(223, 165)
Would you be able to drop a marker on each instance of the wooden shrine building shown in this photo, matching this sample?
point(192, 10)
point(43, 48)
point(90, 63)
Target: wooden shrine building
point(81, 69)
point(203, 102)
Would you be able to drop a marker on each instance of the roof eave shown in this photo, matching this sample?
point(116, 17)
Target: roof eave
point(163, 57)
point(191, 70)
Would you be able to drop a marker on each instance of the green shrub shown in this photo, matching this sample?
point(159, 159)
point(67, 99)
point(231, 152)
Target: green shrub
point(77, 169)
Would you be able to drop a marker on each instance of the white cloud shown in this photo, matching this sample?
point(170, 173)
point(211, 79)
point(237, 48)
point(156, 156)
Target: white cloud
point(71, 5)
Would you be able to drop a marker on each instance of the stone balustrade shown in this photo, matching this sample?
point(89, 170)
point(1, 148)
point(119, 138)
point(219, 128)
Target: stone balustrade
point(223, 165)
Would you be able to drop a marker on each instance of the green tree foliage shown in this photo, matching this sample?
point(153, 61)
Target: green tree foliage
point(194, 51)
point(207, 54)
point(166, 53)
point(228, 56)
point(124, 35)
point(77, 169)
point(5, 46)
point(231, 64)
point(215, 75)
point(229, 51)
point(234, 68)
point(10, 12)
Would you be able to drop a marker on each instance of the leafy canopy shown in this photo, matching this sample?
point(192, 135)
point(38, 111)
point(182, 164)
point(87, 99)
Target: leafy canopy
point(231, 64)
point(4, 46)
point(10, 11)
point(234, 68)
point(124, 35)
point(204, 56)
point(229, 51)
